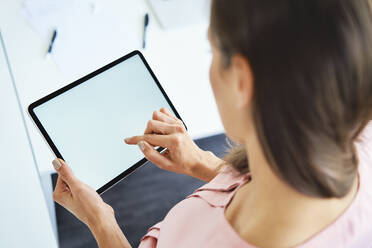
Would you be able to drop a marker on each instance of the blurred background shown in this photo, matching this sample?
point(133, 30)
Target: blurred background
point(88, 34)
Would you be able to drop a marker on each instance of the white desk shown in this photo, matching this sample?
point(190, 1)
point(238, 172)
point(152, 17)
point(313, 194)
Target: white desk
point(24, 216)
point(179, 58)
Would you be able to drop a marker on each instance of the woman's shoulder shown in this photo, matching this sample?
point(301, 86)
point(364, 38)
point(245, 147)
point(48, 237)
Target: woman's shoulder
point(221, 188)
point(354, 224)
point(226, 180)
point(201, 209)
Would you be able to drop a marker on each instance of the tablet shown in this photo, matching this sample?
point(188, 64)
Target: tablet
point(85, 122)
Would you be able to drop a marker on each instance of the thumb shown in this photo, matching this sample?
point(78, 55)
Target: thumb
point(65, 172)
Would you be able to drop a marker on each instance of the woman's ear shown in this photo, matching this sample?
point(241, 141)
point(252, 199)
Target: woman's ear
point(244, 80)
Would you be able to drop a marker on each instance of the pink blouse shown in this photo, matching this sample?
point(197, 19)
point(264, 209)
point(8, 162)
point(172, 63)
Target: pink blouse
point(199, 220)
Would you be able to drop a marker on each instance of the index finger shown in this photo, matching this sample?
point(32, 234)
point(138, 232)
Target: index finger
point(153, 139)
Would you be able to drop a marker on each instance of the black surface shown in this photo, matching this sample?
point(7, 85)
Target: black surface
point(83, 80)
point(140, 200)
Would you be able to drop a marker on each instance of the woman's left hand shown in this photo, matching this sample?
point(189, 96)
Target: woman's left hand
point(84, 202)
point(79, 198)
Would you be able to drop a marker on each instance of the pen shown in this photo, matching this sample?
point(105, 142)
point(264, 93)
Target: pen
point(146, 23)
point(52, 41)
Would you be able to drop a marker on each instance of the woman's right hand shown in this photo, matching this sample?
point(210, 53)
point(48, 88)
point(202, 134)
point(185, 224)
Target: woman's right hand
point(182, 154)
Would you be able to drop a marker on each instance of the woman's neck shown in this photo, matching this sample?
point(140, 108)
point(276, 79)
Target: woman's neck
point(266, 211)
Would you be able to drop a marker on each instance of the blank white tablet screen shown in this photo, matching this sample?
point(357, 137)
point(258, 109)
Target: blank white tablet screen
point(89, 122)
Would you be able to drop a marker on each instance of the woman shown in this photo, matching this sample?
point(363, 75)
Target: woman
point(293, 84)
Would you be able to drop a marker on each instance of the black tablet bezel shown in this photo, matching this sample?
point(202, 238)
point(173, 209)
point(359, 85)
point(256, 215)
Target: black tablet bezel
point(82, 80)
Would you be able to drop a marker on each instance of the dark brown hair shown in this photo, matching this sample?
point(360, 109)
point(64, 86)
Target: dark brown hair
point(312, 69)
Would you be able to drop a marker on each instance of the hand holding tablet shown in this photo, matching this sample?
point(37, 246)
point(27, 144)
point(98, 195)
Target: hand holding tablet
point(86, 121)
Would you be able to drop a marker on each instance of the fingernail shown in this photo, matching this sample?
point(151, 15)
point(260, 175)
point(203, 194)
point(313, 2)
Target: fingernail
point(141, 145)
point(126, 139)
point(56, 164)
